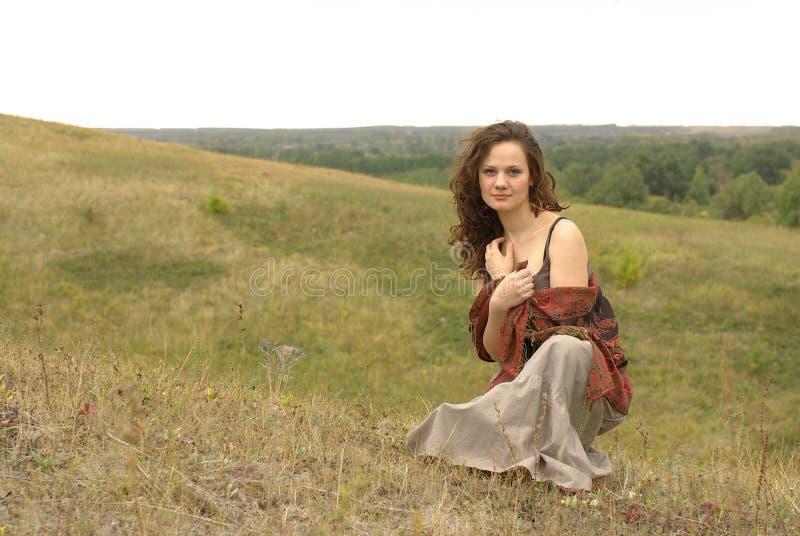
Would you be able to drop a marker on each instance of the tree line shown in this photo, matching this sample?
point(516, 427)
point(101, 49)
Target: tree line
point(739, 179)
point(735, 173)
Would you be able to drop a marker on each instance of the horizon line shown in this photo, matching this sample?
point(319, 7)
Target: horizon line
point(388, 125)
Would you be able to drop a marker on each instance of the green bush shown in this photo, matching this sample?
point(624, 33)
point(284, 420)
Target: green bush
point(217, 204)
point(743, 197)
point(700, 187)
point(628, 269)
point(789, 202)
point(689, 208)
point(659, 204)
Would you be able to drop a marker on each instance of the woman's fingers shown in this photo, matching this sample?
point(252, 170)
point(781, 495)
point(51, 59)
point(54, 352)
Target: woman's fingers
point(523, 282)
point(496, 242)
point(513, 292)
point(499, 256)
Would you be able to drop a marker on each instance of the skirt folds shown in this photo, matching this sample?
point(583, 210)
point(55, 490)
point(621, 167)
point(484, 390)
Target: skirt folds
point(541, 421)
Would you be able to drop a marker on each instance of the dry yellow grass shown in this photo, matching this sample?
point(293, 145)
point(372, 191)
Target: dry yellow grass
point(108, 447)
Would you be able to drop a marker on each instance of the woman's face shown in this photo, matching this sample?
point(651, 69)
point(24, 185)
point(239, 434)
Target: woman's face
point(504, 177)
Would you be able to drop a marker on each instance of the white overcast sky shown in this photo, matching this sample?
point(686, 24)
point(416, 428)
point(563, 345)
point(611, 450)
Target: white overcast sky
point(340, 63)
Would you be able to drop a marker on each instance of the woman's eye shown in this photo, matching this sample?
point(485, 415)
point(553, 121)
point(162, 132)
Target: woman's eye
point(515, 171)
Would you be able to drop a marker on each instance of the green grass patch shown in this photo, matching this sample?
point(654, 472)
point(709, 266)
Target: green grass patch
point(339, 225)
point(133, 269)
point(112, 163)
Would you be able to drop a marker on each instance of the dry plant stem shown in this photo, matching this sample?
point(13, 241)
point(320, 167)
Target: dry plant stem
point(180, 369)
point(243, 327)
point(762, 501)
point(140, 516)
point(763, 438)
point(38, 318)
point(645, 433)
point(501, 426)
point(192, 516)
point(339, 477)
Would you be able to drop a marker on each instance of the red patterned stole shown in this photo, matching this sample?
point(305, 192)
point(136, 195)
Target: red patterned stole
point(581, 312)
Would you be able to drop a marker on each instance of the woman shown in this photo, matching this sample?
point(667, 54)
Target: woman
point(539, 314)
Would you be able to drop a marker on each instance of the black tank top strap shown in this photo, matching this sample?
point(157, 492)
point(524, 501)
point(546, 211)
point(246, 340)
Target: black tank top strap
point(546, 258)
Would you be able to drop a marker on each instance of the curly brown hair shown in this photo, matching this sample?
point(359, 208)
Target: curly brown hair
point(478, 223)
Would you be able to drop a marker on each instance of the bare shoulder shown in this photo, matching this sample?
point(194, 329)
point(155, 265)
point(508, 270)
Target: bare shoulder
point(569, 257)
point(566, 235)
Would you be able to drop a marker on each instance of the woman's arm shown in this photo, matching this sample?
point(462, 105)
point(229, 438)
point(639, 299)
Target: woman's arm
point(569, 258)
point(514, 289)
point(491, 335)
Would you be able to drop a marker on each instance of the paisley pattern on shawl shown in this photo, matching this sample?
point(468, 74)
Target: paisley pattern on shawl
point(581, 312)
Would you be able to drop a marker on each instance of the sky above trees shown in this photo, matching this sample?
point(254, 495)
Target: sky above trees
point(306, 64)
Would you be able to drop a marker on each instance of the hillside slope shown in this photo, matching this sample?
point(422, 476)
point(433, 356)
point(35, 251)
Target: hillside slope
point(119, 241)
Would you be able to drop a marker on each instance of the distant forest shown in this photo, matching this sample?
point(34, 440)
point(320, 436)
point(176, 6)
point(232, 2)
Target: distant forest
point(741, 173)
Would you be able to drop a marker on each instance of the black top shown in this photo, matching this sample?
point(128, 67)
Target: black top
point(542, 278)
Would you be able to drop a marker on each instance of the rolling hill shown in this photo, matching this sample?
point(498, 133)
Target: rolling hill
point(145, 251)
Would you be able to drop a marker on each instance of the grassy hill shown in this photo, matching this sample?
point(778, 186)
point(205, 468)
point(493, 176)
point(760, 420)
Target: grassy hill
point(147, 256)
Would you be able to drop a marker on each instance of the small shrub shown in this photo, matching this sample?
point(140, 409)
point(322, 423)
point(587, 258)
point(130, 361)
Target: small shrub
point(690, 207)
point(88, 214)
point(700, 187)
point(628, 269)
point(743, 197)
point(659, 204)
point(759, 219)
point(278, 360)
point(217, 204)
point(789, 202)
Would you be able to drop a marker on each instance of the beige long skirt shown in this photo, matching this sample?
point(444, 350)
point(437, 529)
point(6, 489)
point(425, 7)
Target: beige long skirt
point(541, 420)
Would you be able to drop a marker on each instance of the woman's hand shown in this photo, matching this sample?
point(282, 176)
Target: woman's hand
point(513, 290)
point(499, 257)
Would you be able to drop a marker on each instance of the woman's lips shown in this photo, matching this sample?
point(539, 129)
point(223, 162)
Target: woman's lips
point(501, 196)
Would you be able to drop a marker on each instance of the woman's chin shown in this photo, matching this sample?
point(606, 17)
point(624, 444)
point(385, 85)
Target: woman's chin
point(504, 208)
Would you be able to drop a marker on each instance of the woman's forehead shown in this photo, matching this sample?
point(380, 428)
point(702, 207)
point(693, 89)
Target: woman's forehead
point(505, 153)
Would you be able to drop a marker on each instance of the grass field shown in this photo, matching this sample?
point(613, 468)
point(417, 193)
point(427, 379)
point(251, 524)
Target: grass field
point(143, 253)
